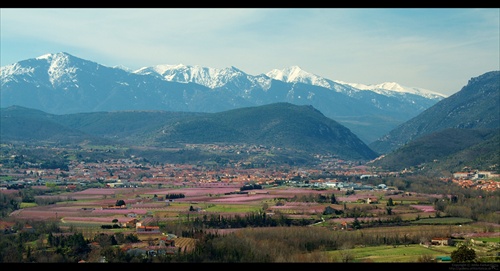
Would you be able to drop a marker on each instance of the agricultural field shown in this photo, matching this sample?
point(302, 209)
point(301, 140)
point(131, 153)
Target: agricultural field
point(391, 254)
point(91, 205)
point(90, 209)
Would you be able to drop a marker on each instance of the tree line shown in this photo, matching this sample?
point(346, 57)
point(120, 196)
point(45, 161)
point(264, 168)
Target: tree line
point(48, 243)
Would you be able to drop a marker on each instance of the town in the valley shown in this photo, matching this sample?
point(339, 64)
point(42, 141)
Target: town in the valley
point(135, 172)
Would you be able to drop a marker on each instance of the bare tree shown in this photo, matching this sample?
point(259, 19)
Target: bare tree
point(426, 258)
point(346, 256)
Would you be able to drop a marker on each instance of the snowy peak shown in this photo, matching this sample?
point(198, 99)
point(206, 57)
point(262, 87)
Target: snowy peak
point(46, 57)
point(289, 75)
point(53, 69)
point(209, 77)
point(295, 74)
point(59, 61)
point(215, 78)
point(57, 64)
point(63, 68)
point(61, 83)
point(60, 68)
point(124, 68)
point(390, 88)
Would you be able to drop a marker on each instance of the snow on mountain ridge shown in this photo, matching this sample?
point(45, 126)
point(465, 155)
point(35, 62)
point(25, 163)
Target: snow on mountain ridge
point(121, 67)
point(389, 88)
point(209, 77)
point(295, 74)
point(183, 73)
point(213, 78)
point(46, 56)
point(8, 71)
point(60, 70)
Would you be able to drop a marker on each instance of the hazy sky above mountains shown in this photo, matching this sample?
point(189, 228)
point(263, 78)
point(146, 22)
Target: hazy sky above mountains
point(436, 49)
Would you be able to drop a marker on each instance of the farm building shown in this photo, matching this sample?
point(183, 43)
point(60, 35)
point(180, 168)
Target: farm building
point(442, 242)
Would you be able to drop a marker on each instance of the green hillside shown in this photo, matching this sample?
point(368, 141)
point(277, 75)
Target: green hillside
point(280, 125)
point(285, 127)
point(450, 150)
point(476, 106)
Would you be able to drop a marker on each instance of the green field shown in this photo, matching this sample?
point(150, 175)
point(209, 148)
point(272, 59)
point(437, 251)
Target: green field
point(391, 254)
point(27, 205)
point(488, 239)
point(443, 221)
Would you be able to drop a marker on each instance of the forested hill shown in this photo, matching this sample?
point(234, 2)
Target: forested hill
point(450, 150)
point(476, 106)
point(281, 125)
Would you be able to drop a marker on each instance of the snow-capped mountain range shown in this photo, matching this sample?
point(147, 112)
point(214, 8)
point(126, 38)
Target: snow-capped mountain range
point(213, 78)
point(61, 83)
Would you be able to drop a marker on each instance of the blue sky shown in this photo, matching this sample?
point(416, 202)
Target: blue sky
point(438, 49)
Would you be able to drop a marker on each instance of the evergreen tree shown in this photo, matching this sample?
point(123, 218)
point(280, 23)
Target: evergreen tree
point(334, 200)
point(463, 254)
point(356, 224)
